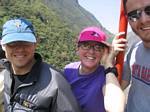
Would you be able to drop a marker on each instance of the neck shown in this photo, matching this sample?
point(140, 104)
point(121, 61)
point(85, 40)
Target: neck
point(84, 70)
point(23, 69)
point(146, 44)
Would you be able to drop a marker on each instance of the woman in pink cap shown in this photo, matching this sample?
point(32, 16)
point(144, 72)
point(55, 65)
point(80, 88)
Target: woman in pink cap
point(94, 85)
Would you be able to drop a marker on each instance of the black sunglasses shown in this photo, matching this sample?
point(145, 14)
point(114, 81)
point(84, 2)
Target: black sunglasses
point(88, 46)
point(136, 14)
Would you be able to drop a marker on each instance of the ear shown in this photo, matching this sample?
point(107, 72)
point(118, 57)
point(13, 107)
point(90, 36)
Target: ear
point(36, 44)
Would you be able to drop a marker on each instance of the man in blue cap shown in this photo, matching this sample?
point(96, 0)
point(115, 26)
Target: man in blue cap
point(30, 84)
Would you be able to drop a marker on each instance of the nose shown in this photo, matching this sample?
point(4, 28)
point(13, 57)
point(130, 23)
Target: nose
point(91, 50)
point(20, 48)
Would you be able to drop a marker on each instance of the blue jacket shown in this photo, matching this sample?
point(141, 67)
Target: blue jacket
point(45, 91)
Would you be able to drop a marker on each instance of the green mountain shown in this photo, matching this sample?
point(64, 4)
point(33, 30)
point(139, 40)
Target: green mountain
point(57, 24)
point(73, 14)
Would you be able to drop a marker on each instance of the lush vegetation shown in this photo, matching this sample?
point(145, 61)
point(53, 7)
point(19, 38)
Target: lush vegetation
point(56, 38)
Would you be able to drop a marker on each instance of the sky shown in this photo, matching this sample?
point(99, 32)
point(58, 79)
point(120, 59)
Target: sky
point(107, 12)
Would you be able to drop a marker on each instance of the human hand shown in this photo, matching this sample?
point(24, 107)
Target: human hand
point(118, 44)
point(105, 60)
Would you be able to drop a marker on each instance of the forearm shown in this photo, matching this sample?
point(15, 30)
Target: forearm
point(114, 98)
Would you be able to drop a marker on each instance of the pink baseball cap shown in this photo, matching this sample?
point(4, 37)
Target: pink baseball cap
point(92, 34)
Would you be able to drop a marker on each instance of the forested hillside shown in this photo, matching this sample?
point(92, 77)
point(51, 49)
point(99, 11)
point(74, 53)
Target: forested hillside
point(56, 29)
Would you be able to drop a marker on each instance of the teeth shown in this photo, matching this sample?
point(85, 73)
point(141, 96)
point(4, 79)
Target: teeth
point(146, 28)
point(90, 58)
point(19, 56)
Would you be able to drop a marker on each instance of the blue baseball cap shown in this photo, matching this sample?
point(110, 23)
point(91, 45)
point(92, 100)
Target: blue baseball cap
point(18, 30)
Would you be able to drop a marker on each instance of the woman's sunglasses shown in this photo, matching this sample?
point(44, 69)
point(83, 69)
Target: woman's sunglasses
point(136, 14)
